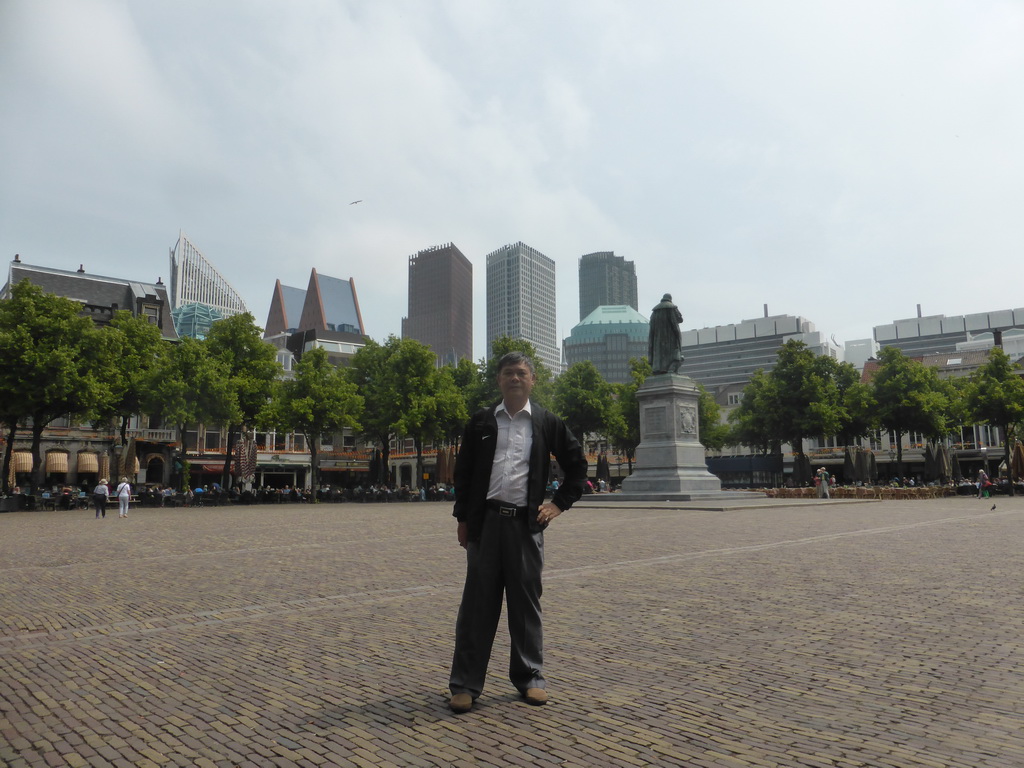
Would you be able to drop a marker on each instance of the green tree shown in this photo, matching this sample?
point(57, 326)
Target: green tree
point(627, 436)
point(909, 397)
point(802, 395)
point(714, 435)
point(995, 395)
point(807, 397)
point(133, 350)
point(542, 390)
point(586, 402)
point(452, 417)
point(186, 386)
point(251, 368)
point(428, 402)
point(319, 400)
point(371, 373)
point(755, 420)
point(54, 365)
point(469, 378)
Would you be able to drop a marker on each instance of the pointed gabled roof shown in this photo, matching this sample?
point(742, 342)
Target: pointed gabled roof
point(331, 305)
point(285, 309)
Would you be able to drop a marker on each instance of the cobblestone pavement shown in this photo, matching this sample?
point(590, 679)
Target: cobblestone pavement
point(874, 634)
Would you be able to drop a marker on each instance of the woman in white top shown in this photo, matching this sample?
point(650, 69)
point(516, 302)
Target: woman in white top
point(124, 493)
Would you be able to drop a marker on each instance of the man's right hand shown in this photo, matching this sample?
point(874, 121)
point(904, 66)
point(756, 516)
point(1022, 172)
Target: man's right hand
point(463, 533)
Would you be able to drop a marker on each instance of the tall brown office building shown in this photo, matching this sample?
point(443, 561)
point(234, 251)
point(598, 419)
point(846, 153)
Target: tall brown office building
point(606, 280)
point(441, 302)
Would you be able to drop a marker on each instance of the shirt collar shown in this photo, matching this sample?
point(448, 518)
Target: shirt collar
point(501, 407)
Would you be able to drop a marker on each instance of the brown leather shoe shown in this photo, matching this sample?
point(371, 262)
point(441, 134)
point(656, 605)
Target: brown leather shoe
point(536, 696)
point(460, 702)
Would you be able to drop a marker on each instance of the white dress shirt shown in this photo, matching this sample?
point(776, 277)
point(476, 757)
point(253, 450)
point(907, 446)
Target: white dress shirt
point(511, 467)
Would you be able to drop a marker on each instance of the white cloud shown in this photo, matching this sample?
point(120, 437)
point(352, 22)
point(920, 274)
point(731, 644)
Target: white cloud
point(841, 162)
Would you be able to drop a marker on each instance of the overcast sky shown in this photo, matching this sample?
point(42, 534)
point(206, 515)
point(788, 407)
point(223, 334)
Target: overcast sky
point(840, 161)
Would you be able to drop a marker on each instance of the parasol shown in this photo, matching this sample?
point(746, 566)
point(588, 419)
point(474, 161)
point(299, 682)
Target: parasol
point(128, 467)
point(441, 470)
point(1017, 461)
point(930, 465)
point(849, 466)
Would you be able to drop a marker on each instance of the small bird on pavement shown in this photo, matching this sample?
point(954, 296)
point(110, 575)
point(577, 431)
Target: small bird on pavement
point(993, 507)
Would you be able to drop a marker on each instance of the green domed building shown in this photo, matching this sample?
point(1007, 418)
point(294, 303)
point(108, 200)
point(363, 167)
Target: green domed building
point(609, 337)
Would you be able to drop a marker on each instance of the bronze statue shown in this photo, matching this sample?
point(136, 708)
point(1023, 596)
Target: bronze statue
point(665, 340)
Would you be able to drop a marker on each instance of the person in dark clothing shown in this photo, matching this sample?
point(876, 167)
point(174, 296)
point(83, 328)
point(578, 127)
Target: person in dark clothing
point(501, 475)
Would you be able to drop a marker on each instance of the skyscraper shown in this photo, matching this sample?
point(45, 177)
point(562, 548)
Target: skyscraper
point(606, 280)
point(521, 300)
point(441, 302)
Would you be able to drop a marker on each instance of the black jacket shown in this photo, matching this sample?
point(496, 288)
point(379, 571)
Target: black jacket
point(476, 458)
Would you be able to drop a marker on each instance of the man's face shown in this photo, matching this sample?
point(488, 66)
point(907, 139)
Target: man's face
point(516, 381)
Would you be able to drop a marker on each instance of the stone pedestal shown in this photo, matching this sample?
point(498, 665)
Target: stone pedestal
point(670, 464)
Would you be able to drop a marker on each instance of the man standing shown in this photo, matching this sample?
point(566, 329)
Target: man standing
point(501, 474)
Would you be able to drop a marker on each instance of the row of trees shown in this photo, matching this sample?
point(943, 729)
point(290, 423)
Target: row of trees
point(60, 364)
point(806, 395)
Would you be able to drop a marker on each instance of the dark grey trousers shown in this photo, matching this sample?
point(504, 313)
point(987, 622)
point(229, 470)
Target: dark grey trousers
point(507, 559)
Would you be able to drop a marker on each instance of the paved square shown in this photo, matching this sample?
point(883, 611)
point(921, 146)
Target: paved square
point(870, 634)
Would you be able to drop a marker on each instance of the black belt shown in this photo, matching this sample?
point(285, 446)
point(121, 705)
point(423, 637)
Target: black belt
point(504, 509)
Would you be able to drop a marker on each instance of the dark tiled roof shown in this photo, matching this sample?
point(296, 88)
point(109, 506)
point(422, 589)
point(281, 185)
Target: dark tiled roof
point(95, 290)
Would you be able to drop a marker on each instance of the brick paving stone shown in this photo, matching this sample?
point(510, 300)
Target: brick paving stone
point(846, 635)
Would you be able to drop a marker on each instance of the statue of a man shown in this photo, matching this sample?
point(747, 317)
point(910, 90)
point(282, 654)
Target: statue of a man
point(665, 340)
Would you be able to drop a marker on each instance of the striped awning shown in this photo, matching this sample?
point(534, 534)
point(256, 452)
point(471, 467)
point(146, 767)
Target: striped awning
point(22, 461)
point(56, 461)
point(88, 462)
point(104, 465)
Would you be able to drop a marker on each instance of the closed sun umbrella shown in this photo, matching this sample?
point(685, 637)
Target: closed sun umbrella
point(930, 472)
point(849, 466)
point(1017, 461)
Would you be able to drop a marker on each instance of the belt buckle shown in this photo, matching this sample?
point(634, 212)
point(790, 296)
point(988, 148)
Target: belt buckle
point(507, 511)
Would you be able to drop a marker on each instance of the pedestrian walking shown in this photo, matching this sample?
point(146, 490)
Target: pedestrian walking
point(821, 479)
point(124, 495)
point(100, 494)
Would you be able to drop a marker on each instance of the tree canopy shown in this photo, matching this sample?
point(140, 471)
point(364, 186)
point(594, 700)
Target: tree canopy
point(586, 402)
point(250, 368)
point(909, 397)
point(995, 395)
point(55, 364)
point(320, 399)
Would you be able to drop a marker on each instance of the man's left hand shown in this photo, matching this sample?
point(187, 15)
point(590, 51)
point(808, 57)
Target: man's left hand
point(547, 512)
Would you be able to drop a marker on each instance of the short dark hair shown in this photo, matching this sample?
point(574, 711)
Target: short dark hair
point(515, 358)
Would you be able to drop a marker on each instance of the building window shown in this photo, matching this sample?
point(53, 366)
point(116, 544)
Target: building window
point(152, 313)
point(213, 441)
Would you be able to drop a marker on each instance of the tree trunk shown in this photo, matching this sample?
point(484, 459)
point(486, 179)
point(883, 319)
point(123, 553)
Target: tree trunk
point(183, 479)
point(8, 455)
point(124, 429)
point(385, 460)
point(314, 466)
point(225, 477)
point(38, 469)
point(1006, 454)
point(418, 480)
